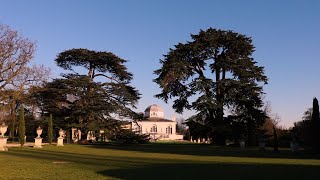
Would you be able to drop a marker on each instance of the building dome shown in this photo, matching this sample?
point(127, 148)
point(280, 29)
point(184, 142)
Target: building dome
point(154, 111)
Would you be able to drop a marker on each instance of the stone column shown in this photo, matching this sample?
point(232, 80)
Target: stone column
point(73, 131)
point(90, 135)
point(79, 134)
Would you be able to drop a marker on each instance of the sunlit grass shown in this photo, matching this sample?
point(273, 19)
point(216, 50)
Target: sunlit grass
point(153, 161)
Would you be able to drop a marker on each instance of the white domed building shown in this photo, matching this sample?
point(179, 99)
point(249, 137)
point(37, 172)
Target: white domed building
point(156, 125)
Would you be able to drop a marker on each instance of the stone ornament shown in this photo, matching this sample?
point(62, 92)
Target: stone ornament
point(39, 132)
point(38, 139)
point(61, 133)
point(3, 139)
point(60, 138)
point(3, 129)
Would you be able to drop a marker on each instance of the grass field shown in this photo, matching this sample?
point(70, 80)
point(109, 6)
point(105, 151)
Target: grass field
point(155, 161)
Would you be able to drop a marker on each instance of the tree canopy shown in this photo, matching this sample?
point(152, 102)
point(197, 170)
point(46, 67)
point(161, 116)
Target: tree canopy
point(104, 64)
point(84, 99)
point(216, 69)
point(316, 125)
point(16, 52)
point(17, 76)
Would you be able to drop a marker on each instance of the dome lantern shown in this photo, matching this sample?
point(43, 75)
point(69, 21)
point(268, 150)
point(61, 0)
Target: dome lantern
point(154, 111)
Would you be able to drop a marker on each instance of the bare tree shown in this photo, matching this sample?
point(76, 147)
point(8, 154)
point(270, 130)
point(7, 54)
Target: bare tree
point(181, 126)
point(15, 54)
point(16, 74)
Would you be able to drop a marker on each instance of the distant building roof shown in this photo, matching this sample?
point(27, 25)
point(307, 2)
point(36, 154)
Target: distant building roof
point(156, 119)
point(154, 110)
point(154, 107)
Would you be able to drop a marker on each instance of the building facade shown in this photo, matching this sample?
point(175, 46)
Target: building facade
point(156, 125)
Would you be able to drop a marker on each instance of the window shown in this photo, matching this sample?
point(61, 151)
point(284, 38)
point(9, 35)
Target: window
point(153, 129)
point(169, 130)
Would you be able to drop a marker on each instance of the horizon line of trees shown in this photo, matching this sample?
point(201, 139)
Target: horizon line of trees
point(95, 100)
point(211, 74)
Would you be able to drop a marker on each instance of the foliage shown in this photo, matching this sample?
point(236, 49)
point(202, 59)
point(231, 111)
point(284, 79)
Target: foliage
point(15, 53)
point(94, 99)
point(16, 76)
point(238, 129)
point(128, 137)
point(275, 139)
point(267, 133)
point(22, 128)
point(284, 137)
point(50, 128)
point(316, 126)
point(302, 133)
point(307, 115)
point(12, 130)
point(103, 64)
point(180, 126)
point(186, 135)
point(305, 131)
point(216, 69)
point(72, 104)
point(245, 124)
point(197, 128)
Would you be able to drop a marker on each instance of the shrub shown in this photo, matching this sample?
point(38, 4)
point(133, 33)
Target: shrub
point(128, 137)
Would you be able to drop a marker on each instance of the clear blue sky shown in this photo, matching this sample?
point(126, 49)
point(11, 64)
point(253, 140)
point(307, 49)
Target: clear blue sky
point(286, 35)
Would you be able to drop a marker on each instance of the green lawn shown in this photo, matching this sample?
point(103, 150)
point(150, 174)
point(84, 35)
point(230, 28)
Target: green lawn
point(155, 161)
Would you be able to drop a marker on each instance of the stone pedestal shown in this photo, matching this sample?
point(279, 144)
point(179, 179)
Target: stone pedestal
point(37, 143)
point(60, 141)
point(3, 144)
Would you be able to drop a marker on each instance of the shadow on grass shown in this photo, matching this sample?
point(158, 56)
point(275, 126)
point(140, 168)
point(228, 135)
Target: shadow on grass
point(71, 157)
point(215, 171)
point(119, 165)
point(207, 150)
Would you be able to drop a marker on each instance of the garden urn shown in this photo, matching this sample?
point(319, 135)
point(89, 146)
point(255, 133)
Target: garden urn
point(61, 133)
point(3, 129)
point(39, 132)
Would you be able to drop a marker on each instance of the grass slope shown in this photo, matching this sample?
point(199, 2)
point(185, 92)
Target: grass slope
point(154, 161)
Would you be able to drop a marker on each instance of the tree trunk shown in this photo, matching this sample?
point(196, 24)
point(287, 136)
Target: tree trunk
point(22, 128)
point(220, 136)
point(12, 128)
point(50, 129)
point(91, 71)
point(251, 137)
